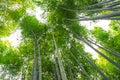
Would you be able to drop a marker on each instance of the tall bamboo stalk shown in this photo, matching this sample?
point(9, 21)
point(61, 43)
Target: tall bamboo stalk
point(63, 74)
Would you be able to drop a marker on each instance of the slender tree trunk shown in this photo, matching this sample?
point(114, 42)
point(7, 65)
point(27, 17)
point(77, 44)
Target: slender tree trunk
point(117, 3)
point(63, 74)
point(89, 19)
point(57, 70)
point(21, 73)
point(111, 19)
point(101, 9)
point(106, 16)
point(54, 72)
point(107, 58)
point(93, 10)
point(80, 65)
point(40, 63)
point(70, 72)
point(106, 49)
point(114, 3)
point(34, 72)
point(94, 66)
point(100, 3)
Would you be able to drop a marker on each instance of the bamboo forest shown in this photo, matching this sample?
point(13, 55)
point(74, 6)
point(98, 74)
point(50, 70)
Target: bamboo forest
point(59, 39)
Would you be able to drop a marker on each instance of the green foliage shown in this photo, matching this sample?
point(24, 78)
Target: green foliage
point(101, 34)
point(11, 60)
point(26, 49)
point(30, 24)
point(110, 39)
point(6, 28)
point(115, 25)
point(2, 47)
point(17, 14)
point(20, 60)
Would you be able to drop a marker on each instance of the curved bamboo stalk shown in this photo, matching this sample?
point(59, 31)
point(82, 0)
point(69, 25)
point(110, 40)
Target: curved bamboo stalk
point(80, 65)
point(34, 70)
point(40, 63)
point(57, 71)
point(90, 19)
point(63, 74)
point(107, 58)
point(93, 10)
point(34, 75)
point(105, 16)
point(100, 3)
point(117, 3)
point(54, 72)
point(70, 71)
point(93, 65)
point(111, 3)
point(106, 49)
point(56, 64)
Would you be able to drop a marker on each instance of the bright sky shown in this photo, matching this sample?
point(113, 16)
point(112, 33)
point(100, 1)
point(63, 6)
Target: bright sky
point(15, 38)
point(91, 51)
point(38, 13)
point(101, 23)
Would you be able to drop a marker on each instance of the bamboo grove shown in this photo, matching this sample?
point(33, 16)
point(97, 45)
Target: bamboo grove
point(54, 49)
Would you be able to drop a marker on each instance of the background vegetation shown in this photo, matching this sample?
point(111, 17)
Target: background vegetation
point(53, 48)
